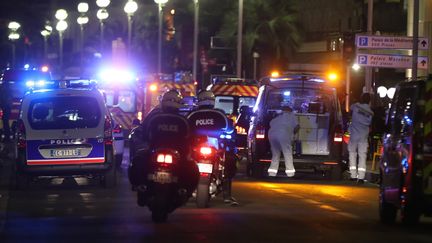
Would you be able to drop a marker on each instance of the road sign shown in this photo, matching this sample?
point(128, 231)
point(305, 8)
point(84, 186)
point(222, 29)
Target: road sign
point(389, 42)
point(390, 61)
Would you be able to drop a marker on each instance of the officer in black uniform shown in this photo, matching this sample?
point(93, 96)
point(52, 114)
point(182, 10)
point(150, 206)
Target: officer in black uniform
point(206, 120)
point(163, 127)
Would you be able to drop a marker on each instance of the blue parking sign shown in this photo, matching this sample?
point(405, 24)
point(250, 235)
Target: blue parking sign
point(362, 59)
point(363, 41)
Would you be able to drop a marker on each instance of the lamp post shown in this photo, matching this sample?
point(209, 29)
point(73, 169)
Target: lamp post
point(45, 34)
point(82, 20)
point(61, 26)
point(13, 36)
point(160, 3)
point(255, 57)
point(239, 38)
point(195, 43)
point(130, 8)
point(102, 15)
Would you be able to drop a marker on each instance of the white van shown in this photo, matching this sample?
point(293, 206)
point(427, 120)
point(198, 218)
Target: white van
point(64, 132)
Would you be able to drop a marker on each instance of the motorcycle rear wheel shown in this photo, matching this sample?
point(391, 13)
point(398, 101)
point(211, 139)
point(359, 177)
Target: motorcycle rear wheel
point(159, 216)
point(203, 193)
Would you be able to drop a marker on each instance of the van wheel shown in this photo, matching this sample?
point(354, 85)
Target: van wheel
point(110, 178)
point(387, 211)
point(336, 173)
point(410, 214)
point(22, 181)
point(118, 160)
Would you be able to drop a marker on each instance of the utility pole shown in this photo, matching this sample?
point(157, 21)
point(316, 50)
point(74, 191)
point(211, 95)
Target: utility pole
point(239, 39)
point(368, 71)
point(415, 39)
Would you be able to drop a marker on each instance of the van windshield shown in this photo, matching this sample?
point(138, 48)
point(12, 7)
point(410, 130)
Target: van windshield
point(301, 100)
point(64, 113)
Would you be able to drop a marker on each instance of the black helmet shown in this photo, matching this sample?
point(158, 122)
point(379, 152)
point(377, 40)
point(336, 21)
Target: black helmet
point(206, 98)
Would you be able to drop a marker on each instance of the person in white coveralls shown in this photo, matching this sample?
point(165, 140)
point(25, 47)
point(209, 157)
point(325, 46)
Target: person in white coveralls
point(281, 133)
point(359, 131)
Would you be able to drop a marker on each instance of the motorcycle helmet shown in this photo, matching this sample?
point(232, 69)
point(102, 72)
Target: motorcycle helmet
point(206, 99)
point(171, 100)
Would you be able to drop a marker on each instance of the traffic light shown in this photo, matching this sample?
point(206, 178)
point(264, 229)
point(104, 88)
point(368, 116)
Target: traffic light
point(348, 50)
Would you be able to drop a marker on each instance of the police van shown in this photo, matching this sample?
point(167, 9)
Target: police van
point(318, 144)
point(65, 131)
point(406, 162)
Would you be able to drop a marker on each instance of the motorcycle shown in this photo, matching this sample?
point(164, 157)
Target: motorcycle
point(162, 192)
point(209, 154)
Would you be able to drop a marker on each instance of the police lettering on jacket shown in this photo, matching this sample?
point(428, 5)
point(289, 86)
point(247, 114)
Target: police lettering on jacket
point(167, 128)
point(204, 122)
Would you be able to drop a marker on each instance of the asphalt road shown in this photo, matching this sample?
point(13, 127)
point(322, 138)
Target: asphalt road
point(303, 209)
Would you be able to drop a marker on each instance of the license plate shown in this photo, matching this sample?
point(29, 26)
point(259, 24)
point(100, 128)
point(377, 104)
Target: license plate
point(205, 168)
point(65, 153)
point(163, 177)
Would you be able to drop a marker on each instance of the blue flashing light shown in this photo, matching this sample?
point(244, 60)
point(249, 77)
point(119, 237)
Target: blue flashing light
point(117, 76)
point(30, 84)
point(41, 83)
point(228, 136)
point(26, 66)
point(287, 93)
point(405, 165)
point(222, 136)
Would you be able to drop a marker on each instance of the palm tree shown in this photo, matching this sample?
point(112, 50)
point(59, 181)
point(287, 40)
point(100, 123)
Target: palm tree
point(270, 28)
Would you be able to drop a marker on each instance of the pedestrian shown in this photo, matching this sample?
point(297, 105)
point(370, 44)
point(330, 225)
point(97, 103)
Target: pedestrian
point(361, 118)
point(281, 133)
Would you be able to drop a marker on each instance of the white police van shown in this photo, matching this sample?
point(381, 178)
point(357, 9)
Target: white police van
point(65, 131)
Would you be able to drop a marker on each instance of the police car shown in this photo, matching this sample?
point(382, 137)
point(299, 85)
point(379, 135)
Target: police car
point(65, 131)
point(318, 146)
point(406, 163)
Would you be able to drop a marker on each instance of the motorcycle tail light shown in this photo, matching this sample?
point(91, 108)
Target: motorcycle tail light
point(117, 129)
point(206, 151)
point(205, 168)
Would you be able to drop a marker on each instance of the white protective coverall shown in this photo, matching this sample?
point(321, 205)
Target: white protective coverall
point(358, 143)
point(280, 136)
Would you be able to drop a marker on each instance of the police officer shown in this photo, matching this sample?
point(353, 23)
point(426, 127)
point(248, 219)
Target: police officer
point(359, 131)
point(281, 132)
point(219, 122)
point(162, 127)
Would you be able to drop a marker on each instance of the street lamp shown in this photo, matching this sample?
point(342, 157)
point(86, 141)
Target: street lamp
point(130, 8)
point(61, 26)
point(102, 15)
point(195, 43)
point(160, 3)
point(239, 38)
point(82, 20)
point(13, 36)
point(45, 33)
point(255, 57)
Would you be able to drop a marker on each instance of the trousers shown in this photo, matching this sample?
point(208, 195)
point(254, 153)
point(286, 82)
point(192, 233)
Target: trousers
point(357, 148)
point(281, 144)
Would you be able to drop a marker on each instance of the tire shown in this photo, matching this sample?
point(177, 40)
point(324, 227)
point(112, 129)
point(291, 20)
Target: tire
point(159, 216)
point(22, 181)
point(336, 173)
point(203, 193)
point(387, 211)
point(118, 160)
point(410, 214)
point(110, 178)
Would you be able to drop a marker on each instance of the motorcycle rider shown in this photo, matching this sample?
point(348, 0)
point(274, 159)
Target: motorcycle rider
point(207, 120)
point(162, 127)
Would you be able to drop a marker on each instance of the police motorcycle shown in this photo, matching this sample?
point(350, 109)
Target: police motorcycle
point(161, 170)
point(211, 137)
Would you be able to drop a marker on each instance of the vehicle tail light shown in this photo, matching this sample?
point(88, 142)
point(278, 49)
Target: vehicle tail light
point(21, 134)
point(206, 151)
point(117, 129)
point(240, 130)
point(164, 158)
point(260, 132)
point(108, 139)
point(338, 135)
point(1, 113)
